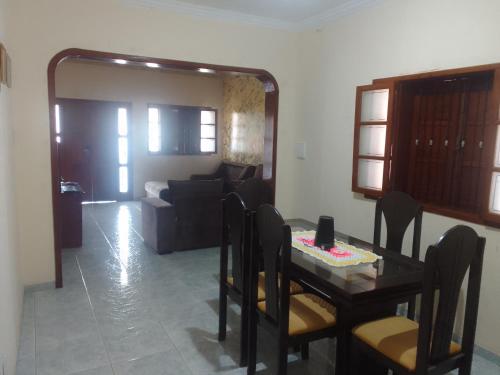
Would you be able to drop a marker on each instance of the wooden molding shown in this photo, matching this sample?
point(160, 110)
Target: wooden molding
point(271, 102)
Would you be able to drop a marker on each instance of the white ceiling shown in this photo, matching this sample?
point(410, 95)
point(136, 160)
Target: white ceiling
point(286, 14)
point(284, 10)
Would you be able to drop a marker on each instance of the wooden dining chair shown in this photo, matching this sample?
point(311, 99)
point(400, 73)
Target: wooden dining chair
point(295, 319)
point(255, 192)
point(399, 210)
point(421, 348)
point(235, 231)
point(236, 235)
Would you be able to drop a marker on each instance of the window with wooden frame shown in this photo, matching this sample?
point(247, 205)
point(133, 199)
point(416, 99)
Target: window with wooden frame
point(435, 136)
point(182, 130)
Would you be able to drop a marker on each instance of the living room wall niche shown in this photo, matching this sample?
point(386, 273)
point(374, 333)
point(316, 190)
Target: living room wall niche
point(243, 120)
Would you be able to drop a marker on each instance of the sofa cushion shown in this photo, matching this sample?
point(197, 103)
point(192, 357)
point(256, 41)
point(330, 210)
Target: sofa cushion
point(232, 171)
point(194, 187)
point(247, 172)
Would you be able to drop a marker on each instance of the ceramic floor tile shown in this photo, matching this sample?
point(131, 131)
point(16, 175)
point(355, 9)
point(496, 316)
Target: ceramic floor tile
point(135, 341)
point(26, 366)
point(168, 363)
point(126, 310)
point(105, 370)
point(71, 355)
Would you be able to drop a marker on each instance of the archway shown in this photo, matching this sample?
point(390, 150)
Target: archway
point(271, 120)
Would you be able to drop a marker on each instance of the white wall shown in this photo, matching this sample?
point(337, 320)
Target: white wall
point(84, 80)
point(10, 286)
point(394, 38)
point(40, 29)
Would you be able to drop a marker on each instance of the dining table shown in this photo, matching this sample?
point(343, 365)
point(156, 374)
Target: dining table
point(360, 293)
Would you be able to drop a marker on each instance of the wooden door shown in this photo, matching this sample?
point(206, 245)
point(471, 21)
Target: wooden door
point(89, 148)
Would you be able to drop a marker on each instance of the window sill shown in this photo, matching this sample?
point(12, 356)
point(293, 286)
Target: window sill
point(470, 217)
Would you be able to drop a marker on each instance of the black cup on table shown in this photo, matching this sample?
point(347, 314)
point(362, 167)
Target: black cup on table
point(325, 233)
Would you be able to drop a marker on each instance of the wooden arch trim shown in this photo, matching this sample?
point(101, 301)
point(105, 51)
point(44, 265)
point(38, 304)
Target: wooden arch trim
point(271, 120)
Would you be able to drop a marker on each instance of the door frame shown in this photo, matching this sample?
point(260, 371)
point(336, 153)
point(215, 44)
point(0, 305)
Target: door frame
point(271, 120)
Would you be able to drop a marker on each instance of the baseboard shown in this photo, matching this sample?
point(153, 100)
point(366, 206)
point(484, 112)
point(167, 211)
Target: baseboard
point(39, 287)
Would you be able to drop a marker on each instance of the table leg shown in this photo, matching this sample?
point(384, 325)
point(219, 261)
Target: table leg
point(342, 360)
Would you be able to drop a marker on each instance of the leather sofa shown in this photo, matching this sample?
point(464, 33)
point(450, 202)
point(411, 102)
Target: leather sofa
point(188, 217)
point(233, 174)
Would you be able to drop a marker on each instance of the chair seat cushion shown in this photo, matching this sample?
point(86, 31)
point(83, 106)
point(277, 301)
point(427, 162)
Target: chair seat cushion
point(308, 313)
point(295, 288)
point(396, 338)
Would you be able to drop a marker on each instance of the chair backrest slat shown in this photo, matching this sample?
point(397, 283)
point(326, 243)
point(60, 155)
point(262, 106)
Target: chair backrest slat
point(399, 210)
point(255, 192)
point(234, 220)
point(446, 264)
point(270, 238)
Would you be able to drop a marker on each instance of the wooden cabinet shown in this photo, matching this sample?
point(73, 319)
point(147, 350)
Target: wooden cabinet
point(71, 209)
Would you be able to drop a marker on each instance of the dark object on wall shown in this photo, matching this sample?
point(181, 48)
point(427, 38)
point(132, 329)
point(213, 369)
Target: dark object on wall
point(71, 207)
point(446, 265)
point(192, 217)
point(233, 174)
point(325, 234)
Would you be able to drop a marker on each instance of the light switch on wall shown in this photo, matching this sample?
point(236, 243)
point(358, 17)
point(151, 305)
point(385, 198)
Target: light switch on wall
point(300, 150)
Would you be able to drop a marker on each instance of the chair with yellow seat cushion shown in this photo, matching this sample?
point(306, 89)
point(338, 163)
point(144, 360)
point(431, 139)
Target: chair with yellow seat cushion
point(408, 347)
point(235, 230)
point(295, 319)
point(396, 338)
point(308, 313)
point(295, 287)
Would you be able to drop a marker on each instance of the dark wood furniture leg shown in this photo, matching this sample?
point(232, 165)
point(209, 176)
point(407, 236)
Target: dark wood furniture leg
point(304, 351)
point(342, 357)
point(222, 311)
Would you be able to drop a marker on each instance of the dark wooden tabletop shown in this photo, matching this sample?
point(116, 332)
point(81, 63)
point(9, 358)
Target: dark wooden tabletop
point(387, 279)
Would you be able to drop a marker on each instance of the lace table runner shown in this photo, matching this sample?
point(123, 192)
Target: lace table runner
point(342, 255)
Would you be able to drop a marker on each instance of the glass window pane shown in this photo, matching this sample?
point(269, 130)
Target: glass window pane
point(153, 115)
point(154, 137)
point(497, 149)
point(370, 174)
point(208, 117)
point(495, 193)
point(123, 150)
point(372, 140)
point(122, 121)
point(58, 119)
point(374, 105)
point(208, 131)
point(207, 145)
point(123, 175)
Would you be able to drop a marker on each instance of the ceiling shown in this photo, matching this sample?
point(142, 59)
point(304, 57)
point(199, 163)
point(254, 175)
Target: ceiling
point(286, 14)
point(284, 10)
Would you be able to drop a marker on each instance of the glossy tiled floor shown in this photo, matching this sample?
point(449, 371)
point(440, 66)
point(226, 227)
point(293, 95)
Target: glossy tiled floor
point(126, 310)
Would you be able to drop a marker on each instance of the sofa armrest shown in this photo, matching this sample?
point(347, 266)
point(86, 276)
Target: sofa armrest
point(159, 224)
